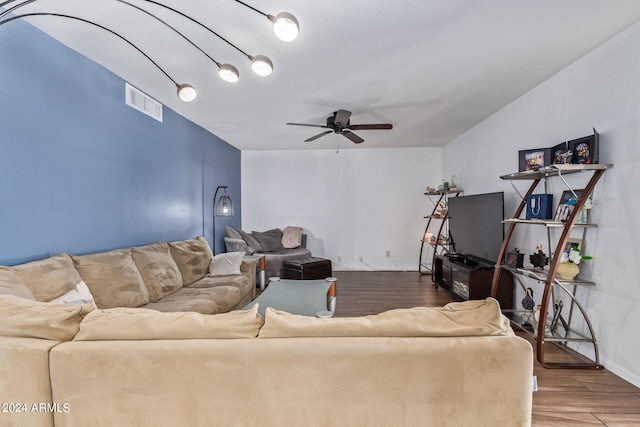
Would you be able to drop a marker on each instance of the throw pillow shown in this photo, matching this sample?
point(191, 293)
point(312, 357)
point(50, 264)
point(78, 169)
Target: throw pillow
point(49, 278)
point(271, 240)
point(158, 269)
point(145, 324)
point(80, 295)
point(12, 284)
point(252, 242)
point(226, 264)
point(193, 258)
point(113, 278)
point(20, 317)
point(469, 318)
point(292, 237)
point(233, 233)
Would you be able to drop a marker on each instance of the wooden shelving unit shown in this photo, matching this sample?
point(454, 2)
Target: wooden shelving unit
point(437, 222)
point(557, 332)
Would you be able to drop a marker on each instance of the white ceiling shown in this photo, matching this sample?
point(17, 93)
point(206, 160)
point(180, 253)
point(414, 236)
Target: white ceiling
point(432, 68)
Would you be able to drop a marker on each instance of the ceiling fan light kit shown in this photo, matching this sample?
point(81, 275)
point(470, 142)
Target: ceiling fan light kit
point(285, 27)
point(340, 123)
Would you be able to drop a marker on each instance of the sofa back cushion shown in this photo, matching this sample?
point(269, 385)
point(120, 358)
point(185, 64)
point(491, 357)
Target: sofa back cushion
point(49, 278)
point(193, 258)
point(12, 284)
point(113, 278)
point(144, 324)
point(20, 317)
point(469, 318)
point(159, 271)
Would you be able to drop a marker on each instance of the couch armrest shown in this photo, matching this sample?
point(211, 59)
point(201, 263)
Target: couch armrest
point(303, 241)
point(236, 245)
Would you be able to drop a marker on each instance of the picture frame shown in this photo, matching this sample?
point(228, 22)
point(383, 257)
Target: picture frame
point(586, 149)
point(514, 259)
point(564, 209)
point(573, 243)
point(561, 154)
point(534, 159)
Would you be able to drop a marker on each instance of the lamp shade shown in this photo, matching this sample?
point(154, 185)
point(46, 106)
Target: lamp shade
point(285, 26)
point(261, 65)
point(224, 206)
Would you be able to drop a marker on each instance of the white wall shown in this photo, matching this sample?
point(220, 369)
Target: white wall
point(601, 90)
point(358, 202)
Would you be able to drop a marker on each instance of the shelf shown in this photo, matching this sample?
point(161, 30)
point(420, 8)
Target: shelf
point(559, 335)
point(542, 275)
point(434, 217)
point(546, 222)
point(562, 333)
point(553, 170)
point(440, 193)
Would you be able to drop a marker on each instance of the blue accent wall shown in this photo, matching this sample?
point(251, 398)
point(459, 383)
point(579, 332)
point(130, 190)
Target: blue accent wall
point(82, 172)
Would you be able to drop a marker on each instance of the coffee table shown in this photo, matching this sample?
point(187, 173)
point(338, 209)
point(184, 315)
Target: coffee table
point(305, 297)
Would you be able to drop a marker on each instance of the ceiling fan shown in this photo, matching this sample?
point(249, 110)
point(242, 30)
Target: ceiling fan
point(340, 123)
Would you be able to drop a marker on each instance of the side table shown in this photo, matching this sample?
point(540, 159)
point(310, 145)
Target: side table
point(261, 265)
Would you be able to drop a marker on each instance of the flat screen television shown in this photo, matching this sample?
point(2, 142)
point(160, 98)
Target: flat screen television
point(475, 226)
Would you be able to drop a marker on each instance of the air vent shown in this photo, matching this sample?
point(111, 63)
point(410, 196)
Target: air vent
point(143, 102)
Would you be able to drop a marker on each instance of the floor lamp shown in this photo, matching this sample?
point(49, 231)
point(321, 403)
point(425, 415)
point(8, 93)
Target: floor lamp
point(221, 207)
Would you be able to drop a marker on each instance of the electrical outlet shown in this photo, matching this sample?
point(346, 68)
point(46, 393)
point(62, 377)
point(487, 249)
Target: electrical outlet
point(339, 259)
point(360, 258)
point(388, 254)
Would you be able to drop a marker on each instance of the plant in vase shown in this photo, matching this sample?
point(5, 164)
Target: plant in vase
point(569, 264)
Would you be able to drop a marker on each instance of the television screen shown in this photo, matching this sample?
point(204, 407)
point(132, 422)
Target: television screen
point(475, 225)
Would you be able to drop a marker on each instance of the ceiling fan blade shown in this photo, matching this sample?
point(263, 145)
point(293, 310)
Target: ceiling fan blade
point(353, 137)
point(342, 117)
point(372, 126)
point(313, 138)
point(307, 124)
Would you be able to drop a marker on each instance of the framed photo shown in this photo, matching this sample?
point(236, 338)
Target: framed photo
point(586, 149)
point(529, 160)
point(573, 243)
point(561, 154)
point(564, 208)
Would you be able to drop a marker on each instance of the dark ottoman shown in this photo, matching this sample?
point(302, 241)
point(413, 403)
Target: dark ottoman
point(307, 269)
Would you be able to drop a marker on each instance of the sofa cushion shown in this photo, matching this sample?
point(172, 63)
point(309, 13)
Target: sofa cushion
point(197, 305)
point(251, 241)
point(49, 278)
point(469, 318)
point(193, 258)
point(80, 295)
point(226, 264)
point(271, 240)
point(233, 233)
point(113, 278)
point(158, 269)
point(225, 298)
point(142, 324)
point(20, 317)
point(12, 284)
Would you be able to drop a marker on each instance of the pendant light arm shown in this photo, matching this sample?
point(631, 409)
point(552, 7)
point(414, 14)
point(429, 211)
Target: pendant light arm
point(26, 15)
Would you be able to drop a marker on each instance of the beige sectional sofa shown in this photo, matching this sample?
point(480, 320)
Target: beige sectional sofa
point(73, 365)
point(164, 276)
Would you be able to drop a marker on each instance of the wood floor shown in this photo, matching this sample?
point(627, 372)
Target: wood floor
point(564, 397)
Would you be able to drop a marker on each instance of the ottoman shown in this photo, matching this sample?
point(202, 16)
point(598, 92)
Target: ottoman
point(307, 269)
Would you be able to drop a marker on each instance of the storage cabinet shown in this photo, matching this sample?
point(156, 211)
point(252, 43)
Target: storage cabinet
point(553, 327)
point(437, 227)
point(471, 281)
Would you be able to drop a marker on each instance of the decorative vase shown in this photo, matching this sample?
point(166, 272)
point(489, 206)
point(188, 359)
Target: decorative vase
point(568, 270)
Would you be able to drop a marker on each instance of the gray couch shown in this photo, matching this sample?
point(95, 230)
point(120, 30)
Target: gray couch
point(266, 243)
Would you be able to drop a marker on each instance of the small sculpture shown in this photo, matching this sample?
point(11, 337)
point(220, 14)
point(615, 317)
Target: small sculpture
point(528, 304)
point(431, 190)
point(539, 259)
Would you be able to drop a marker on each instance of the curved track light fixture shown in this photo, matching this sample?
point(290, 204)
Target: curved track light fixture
point(186, 92)
point(285, 27)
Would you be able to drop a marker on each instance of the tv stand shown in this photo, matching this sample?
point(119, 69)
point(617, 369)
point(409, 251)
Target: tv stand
point(470, 278)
